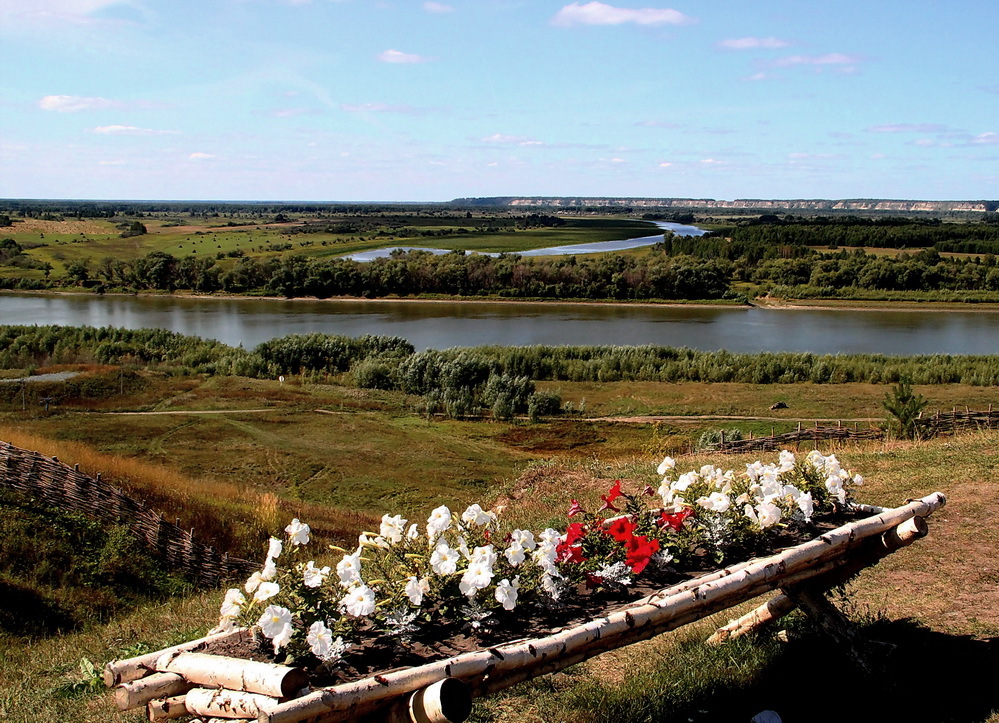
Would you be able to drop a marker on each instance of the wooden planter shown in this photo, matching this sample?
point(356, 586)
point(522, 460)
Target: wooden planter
point(180, 682)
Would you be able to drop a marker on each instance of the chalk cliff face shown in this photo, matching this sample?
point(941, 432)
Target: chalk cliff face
point(862, 204)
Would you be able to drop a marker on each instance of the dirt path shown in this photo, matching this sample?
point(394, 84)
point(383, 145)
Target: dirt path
point(727, 417)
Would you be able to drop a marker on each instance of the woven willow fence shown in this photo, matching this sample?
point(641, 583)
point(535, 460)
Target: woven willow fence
point(65, 487)
point(932, 425)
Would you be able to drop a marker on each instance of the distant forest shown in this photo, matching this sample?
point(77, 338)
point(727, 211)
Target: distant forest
point(831, 256)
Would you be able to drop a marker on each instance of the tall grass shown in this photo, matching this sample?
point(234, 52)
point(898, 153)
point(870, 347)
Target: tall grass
point(227, 515)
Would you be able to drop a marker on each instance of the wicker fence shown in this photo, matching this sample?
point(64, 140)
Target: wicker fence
point(65, 487)
point(937, 423)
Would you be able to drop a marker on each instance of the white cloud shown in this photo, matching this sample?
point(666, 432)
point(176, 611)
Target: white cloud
point(119, 130)
point(657, 124)
point(598, 13)
point(503, 139)
point(397, 56)
point(908, 128)
point(826, 59)
point(770, 43)
point(986, 139)
point(711, 162)
point(378, 108)
point(198, 156)
point(74, 103)
point(34, 11)
point(665, 164)
point(432, 7)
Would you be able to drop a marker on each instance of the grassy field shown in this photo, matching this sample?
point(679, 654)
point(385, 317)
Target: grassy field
point(338, 457)
point(63, 242)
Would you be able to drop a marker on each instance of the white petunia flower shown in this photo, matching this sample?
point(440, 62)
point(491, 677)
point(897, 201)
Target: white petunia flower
point(275, 624)
point(274, 548)
point(413, 532)
point(359, 601)
point(665, 466)
point(440, 520)
point(265, 591)
point(506, 593)
point(478, 576)
point(444, 560)
point(298, 533)
point(475, 515)
point(393, 528)
point(806, 505)
point(232, 604)
point(320, 639)
point(270, 570)
point(349, 569)
point(252, 583)
point(416, 589)
point(768, 514)
point(515, 554)
point(525, 538)
point(313, 576)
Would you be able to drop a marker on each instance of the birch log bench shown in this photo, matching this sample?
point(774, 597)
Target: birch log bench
point(181, 682)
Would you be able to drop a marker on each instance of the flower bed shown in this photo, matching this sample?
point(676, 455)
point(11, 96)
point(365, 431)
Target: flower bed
point(456, 591)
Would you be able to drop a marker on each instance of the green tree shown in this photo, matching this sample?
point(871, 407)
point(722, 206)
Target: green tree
point(905, 406)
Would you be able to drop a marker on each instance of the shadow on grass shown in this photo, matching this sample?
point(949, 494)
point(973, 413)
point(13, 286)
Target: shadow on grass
point(926, 676)
point(920, 675)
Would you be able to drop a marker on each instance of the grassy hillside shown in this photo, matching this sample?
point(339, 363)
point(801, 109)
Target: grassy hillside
point(937, 602)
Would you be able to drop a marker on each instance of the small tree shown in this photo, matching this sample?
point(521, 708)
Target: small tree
point(905, 406)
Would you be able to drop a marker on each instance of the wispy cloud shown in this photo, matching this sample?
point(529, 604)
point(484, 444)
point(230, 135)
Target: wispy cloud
point(432, 7)
point(825, 59)
point(770, 43)
point(199, 156)
point(503, 139)
point(35, 12)
point(657, 124)
point(119, 130)
point(75, 103)
point(908, 128)
point(598, 13)
point(397, 56)
point(989, 138)
point(379, 108)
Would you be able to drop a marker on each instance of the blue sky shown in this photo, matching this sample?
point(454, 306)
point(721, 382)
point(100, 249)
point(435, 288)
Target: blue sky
point(408, 100)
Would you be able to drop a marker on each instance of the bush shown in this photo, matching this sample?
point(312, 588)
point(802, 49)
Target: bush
point(543, 404)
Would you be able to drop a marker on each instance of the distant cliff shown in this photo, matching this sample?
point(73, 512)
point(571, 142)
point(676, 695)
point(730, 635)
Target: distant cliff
point(851, 204)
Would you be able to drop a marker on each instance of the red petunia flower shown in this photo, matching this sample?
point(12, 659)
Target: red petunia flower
point(621, 529)
point(569, 553)
point(675, 520)
point(640, 551)
point(611, 495)
point(575, 509)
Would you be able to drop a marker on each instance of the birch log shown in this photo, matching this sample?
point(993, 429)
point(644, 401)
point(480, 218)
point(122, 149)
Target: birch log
point(137, 693)
point(217, 671)
point(167, 708)
point(773, 609)
point(492, 668)
point(123, 671)
point(232, 704)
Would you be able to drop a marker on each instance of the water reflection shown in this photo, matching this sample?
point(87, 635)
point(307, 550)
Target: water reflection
point(445, 324)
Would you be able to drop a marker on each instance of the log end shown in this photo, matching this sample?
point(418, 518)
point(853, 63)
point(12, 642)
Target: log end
point(446, 701)
point(294, 682)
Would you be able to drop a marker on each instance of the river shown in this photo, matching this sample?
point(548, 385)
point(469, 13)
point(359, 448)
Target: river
point(596, 247)
point(439, 325)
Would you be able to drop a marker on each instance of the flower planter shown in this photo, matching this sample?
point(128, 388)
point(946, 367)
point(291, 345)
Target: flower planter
point(180, 681)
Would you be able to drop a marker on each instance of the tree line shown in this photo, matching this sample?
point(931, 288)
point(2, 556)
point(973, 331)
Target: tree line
point(392, 362)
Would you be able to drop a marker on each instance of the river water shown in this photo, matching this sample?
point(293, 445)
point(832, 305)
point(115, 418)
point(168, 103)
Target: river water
point(596, 247)
point(440, 325)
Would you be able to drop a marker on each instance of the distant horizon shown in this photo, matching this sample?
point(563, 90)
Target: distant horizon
point(458, 199)
point(419, 100)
